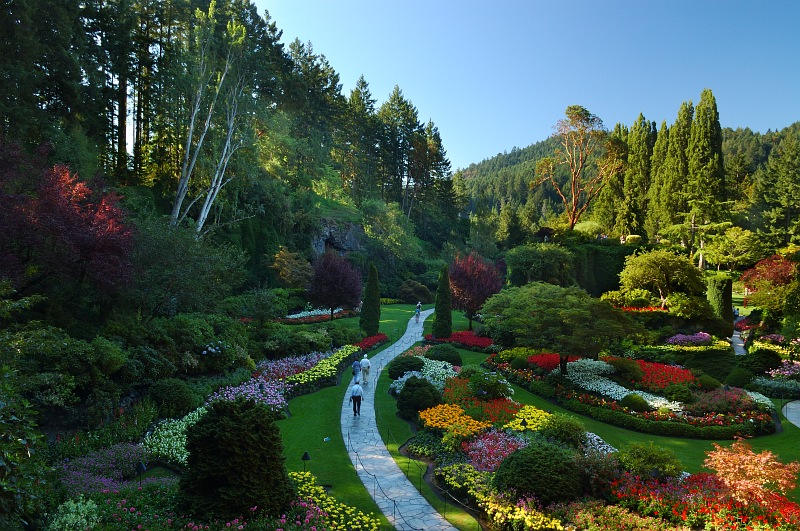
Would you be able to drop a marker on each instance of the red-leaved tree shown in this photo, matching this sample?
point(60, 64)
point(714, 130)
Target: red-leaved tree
point(56, 228)
point(335, 283)
point(472, 281)
point(768, 282)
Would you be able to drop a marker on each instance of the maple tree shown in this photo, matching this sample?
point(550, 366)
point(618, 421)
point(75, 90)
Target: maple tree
point(751, 477)
point(769, 281)
point(472, 281)
point(335, 283)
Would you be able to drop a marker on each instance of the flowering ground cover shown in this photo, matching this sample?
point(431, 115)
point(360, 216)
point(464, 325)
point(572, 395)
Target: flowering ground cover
point(466, 339)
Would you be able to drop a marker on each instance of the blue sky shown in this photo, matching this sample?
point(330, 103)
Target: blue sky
point(495, 75)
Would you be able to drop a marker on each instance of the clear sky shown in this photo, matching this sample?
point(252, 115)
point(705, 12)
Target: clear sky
point(498, 74)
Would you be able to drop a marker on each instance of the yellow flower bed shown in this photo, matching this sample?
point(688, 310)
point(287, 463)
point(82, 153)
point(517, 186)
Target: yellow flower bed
point(451, 417)
point(533, 417)
point(340, 516)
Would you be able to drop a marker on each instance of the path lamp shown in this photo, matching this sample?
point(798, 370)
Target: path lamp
point(305, 458)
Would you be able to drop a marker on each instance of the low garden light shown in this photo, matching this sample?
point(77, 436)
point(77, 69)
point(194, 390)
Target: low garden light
point(305, 458)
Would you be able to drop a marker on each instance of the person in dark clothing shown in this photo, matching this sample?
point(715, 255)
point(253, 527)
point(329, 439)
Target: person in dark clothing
point(356, 394)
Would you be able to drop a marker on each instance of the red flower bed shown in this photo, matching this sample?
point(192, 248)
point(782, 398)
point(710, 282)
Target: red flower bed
point(467, 339)
point(497, 411)
point(369, 342)
point(657, 376)
point(547, 361)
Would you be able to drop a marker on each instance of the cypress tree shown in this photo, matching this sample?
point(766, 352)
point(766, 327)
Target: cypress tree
point(672, 199)
point(371, 309)
point(443, 323)
point(719, 292)
point(637, 179)
point(653, 222)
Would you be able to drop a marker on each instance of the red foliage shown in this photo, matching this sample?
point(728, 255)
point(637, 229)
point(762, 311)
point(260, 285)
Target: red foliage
point(776, 270)
point(369, 342)
point(335, 282)
point(472, 281)
point(56, 227)
point(466, 338)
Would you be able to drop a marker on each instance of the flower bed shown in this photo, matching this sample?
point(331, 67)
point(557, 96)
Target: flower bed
point(700, 338)
point(315, 316)
point(323, 374)
point(466, 339)
point(370, 342)
point(337, 515)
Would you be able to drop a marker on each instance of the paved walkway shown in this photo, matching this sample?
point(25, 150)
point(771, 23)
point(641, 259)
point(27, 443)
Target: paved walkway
point(397, 498)
point(791, 410)
point(738, 344)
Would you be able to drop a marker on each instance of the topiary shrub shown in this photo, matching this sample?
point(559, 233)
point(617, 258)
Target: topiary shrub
point(563, 428)
point(543, 469)
point(678, 393)
point(412, 292)
point(760, 360)
point(417, 394)
point(235, 462)
point(370, 318)
point(739, 377)
point(626, 369)
point(647, 459)
point(445, 352)
point(707, 383)
point(403, 364)
point(520, 363)
point(173, 397)
point(635, 402)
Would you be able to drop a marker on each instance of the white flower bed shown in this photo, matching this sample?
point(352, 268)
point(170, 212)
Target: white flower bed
point(587, 374)
point(761, 400)
point(313, 313)
point(435, 371)
point(168, 439)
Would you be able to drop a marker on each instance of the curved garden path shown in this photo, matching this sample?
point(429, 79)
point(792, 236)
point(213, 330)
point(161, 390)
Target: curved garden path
point(396, 496)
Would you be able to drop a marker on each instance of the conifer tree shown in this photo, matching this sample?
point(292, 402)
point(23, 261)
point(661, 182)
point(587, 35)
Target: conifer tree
point(706, 185)
point(443, 323)
point(637, 179)
point(371, 309)
point(672, 201)
point(653, 222)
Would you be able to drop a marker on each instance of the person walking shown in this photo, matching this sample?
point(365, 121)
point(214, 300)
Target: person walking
point(356, 394)
point(356, 371)
point(365, 366)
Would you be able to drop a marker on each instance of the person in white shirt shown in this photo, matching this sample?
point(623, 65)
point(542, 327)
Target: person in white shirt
point(365, 365)
point(356, 394)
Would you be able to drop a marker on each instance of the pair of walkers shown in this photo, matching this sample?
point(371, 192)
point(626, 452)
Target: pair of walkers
point(360, 374)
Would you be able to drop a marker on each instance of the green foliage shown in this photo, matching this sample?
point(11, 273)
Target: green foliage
point(626, 369)
point(445, 352)
point(719, 293)
point(759, 360)
point(371, 309)
point(519, 363)
point(662, 273)
point(21, 468)
point(597, 265)
point(707, 382)
point(75, 515)
point(235, 462)
point(678, 393)
point(646, 460)
point(443, 321)
point(109, 356)
point(540, 262)
point(340, 334)
point(635, 402)
point(412, 292)
point(688, 306)
point(173, 397)
point(739, 377)
point(261, 305)
point(543, 469)
point(490, 386)
point(418, 394)
point(403, 364)
point(563, 428)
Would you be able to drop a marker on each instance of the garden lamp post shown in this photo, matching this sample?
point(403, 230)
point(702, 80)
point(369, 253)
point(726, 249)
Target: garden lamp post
point(305, 458)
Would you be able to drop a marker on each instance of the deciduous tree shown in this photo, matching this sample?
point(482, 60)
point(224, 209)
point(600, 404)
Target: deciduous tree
point(662, 273)
point(584, 143)
point(335, 283)
point(472, 281)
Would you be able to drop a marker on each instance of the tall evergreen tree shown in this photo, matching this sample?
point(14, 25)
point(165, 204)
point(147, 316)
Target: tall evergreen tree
point(443, 322)
point(778, 190)
point(509, 228)
point(400, 122)
point(637, 179)
point(371, 308)
point(653, 218)
point(706, 186)
point(609, 205)
point(672, 198)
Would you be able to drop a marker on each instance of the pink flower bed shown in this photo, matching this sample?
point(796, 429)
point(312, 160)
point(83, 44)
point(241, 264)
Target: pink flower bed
point(467, 338)
point(487, 450)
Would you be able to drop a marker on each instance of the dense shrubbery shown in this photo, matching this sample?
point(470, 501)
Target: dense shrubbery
point(403, 364)
point(445, 352)
point(417, 394)
point(173, 397)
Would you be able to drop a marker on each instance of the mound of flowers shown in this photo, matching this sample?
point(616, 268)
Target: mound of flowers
point(372, 341)
point(336, 515)
point(317, 315)
point(700, 338)
point(466, 339)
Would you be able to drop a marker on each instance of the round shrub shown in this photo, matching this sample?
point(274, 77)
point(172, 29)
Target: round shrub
point(543, 469)
point(678, 393)
point(647, 459)
point(412, 292)
point(739, 377)
point(403, 364)
point(445, 352)
point(626, 369)
point(173, 397)
point(635, 402)
point(235, 462)
point(520, 363)
point(707, 382)
point(489, 386)
point(760, 360)
point(563, 428)
point(417, 394)
point(468, 371)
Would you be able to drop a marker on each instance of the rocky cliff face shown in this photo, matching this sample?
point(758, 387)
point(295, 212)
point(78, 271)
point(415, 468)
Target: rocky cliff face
point(341, 237)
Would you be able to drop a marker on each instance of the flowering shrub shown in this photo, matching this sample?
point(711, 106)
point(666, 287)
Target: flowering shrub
point(496, 411)
point(528, 418)
point(269, 393)
point(338, 515)
point(700, 338)
point(445, 416)
point(435, 371)
point(733, 400)
point(487, 450)
point(746, 324)
point(466, 339)
point(104, 469)
point(315, 316)
point(369, 342)
point(168, 439)
point(284, 367)
point(775, 339)
point(789, 370)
